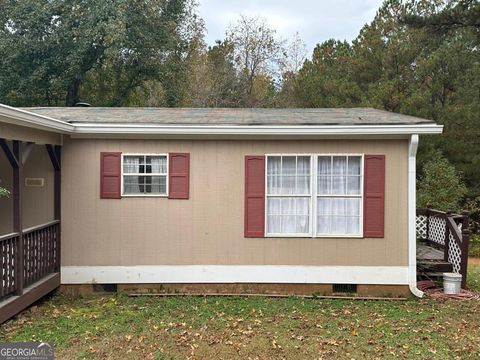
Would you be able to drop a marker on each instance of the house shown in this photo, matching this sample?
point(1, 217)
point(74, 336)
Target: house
point(228, 200)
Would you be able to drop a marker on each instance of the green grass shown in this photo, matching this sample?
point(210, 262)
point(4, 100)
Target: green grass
point(117, 326)
point(473, 278)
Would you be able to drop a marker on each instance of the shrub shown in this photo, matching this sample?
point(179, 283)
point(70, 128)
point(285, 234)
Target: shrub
point(474, 245)
point(441, 184)
point(473, 207)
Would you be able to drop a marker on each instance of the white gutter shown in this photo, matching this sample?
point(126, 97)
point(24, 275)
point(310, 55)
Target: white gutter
point(27, 118)
point(143, 129)
point(412, 213)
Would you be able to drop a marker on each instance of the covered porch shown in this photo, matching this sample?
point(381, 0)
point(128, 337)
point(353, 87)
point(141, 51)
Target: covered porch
point(30, 216)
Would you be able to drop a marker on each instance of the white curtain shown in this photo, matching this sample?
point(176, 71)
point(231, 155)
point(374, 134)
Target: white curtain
point(274, 175)
point(354, 165)
point(339, 172)
point(303, 214)
point(288, 190)
point(288, 175)
point(288, 215)
point(353, 219)
point(338, 215)
point(324, 175)
point(131, 165)
point(338, 175)
point(156, 184)
point(303, 175)
point(354, 175)
point(159, 164)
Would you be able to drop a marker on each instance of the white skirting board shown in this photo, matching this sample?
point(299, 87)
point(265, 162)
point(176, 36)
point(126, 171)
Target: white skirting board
point(287, 274)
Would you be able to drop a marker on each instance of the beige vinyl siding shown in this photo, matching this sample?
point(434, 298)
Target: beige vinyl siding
point(208, 228)
point(15, 132)
point(6, 204)
point(37, 202)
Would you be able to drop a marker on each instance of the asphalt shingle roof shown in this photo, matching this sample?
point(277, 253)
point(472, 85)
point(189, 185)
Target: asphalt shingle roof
point(232, 116)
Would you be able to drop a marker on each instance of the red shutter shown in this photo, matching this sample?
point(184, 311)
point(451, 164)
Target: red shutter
point(178, 175)
point(110, 175)
point(374, 196)
point(254, 196)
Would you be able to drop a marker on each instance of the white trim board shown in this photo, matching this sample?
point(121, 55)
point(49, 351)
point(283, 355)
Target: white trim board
point(289, 274)
point(296, 130)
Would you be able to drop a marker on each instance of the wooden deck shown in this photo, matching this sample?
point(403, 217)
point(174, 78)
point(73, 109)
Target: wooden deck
point(430, 263)
point(425, 252)
point(442, 246)
point(38, 250)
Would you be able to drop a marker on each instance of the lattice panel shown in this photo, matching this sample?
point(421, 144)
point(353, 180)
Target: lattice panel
point(421, 224)
point(436, 230)
point(454, 254)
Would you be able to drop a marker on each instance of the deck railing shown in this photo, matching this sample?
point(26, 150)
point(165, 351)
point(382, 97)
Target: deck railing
point(40, 256)
point(40, 251)
point(448, 232)
point(9, 250)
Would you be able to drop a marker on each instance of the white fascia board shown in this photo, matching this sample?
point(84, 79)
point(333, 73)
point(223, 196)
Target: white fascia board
point(286, 274)
point(26, 118)
point(308, 130)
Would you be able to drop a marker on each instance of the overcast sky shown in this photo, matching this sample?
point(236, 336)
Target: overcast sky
point(315, 20)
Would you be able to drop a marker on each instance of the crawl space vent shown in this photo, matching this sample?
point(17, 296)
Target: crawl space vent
point(345, 288)
point(34, 182)
point(105, 288)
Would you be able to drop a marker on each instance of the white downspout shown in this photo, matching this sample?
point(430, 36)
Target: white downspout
point(412, 213)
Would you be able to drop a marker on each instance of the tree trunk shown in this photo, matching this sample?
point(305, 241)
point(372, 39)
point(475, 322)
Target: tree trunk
point(73, 93)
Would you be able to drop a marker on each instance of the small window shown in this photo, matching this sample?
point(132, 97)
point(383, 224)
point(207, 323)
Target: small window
point(145, 175)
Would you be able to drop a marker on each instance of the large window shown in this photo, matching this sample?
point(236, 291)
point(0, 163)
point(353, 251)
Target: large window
point(314, 195)
point(144, 175)
point(288, 195)
point(339, 195)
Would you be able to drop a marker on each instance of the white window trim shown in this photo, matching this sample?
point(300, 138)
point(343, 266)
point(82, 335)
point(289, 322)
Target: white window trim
point(313, 198)
point(286, 235)
point(361, 197)
point(145, 195)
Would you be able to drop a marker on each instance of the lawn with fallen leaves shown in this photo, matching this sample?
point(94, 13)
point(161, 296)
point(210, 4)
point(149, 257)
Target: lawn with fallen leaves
point(122, 327)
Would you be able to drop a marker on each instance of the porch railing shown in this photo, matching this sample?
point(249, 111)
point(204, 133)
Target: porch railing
point(40, 256)
point(9, 250)
point(449, 232)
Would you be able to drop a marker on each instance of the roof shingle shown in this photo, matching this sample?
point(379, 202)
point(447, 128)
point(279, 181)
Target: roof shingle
point(224, 116)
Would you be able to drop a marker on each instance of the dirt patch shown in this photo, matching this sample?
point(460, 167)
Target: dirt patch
point(474, 261)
